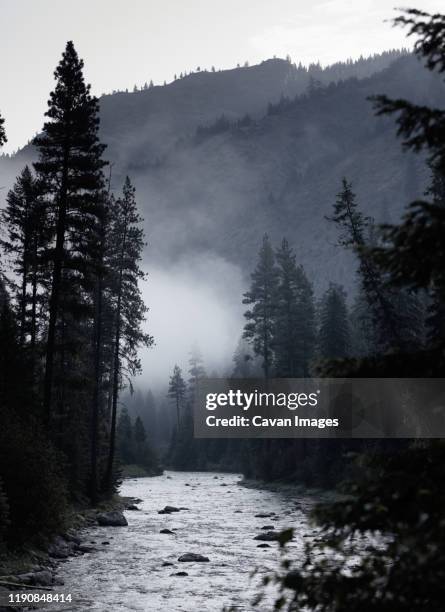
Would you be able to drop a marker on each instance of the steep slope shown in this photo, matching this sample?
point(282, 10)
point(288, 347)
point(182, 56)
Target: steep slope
point(141, 127)
point(216, 194)
point(144, 125)
point(280, 175)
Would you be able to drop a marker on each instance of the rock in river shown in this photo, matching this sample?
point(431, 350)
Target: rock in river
point(269, 536)
point(167, 531)
point(192, 557)
point(112, 519)
point(168, 510)
point(86, 548)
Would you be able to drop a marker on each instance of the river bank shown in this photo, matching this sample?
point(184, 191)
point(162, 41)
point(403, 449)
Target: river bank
point(35, 566)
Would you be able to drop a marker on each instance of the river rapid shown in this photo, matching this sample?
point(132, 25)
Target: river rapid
point(219, 522)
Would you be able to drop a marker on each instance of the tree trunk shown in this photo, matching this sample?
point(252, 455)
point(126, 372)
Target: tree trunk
point(94, 493)
point(116, 370)
point(55, 293)
point(111, 452)
point(23, 302)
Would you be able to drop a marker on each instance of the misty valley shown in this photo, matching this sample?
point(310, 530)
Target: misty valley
point(273, 221)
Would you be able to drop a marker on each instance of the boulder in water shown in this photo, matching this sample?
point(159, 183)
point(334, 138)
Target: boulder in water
point(168, 510)
point(193, 558)
point(112, 519)
point(269, 536)
point(167, 531)
point(179, 574)
point(86, 548)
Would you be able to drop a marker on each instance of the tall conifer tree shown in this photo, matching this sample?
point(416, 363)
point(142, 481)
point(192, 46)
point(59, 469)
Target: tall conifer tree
point(262, 296)
point(356, 233)
point(177, 388)
point(3, 138)
point(197, 370)
point(70, 171)
point(25, 242)
point(126, 247)
point(333, 336)
point(294, 322)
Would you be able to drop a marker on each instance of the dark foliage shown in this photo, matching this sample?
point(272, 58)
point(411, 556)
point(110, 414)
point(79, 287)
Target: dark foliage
point(381, 547)
point(3, 138)
point(71, 322)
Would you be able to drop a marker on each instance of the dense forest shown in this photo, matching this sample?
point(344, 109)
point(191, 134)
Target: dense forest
point(70, 322)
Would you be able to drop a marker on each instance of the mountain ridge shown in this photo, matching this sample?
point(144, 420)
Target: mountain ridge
point(277, 173)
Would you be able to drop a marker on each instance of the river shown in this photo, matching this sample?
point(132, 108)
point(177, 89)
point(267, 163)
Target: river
point(220, 523)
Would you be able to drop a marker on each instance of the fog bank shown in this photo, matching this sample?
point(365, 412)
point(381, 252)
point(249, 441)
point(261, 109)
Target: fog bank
point(196, 301)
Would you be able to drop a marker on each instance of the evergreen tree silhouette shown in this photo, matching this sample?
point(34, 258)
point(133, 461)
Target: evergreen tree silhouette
point(69, 169)
point(262, 295)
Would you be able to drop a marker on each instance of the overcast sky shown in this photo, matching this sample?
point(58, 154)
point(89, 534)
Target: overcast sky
point(124, 42)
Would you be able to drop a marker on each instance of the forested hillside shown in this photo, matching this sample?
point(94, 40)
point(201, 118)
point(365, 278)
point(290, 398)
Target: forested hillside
point(218, 158)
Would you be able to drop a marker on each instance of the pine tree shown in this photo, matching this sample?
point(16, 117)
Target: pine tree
point(287, 323)
point(70, 171)
point(177, 392)
point(196, 370)
point(3, 138)
point(356, 231)
point(262, 295)
point(139, 431)
point(124, 436)
point(362, 329)
point(26, 224)
point(333, 335)
point(101, 337)
point(294, 321)
point(245, 364)
point(307, 333)
point(127, 244)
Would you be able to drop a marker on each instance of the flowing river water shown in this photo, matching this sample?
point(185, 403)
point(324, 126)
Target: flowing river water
point(220, 523)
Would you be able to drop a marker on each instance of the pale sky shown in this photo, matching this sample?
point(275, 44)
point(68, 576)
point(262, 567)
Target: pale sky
point(124, 42)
